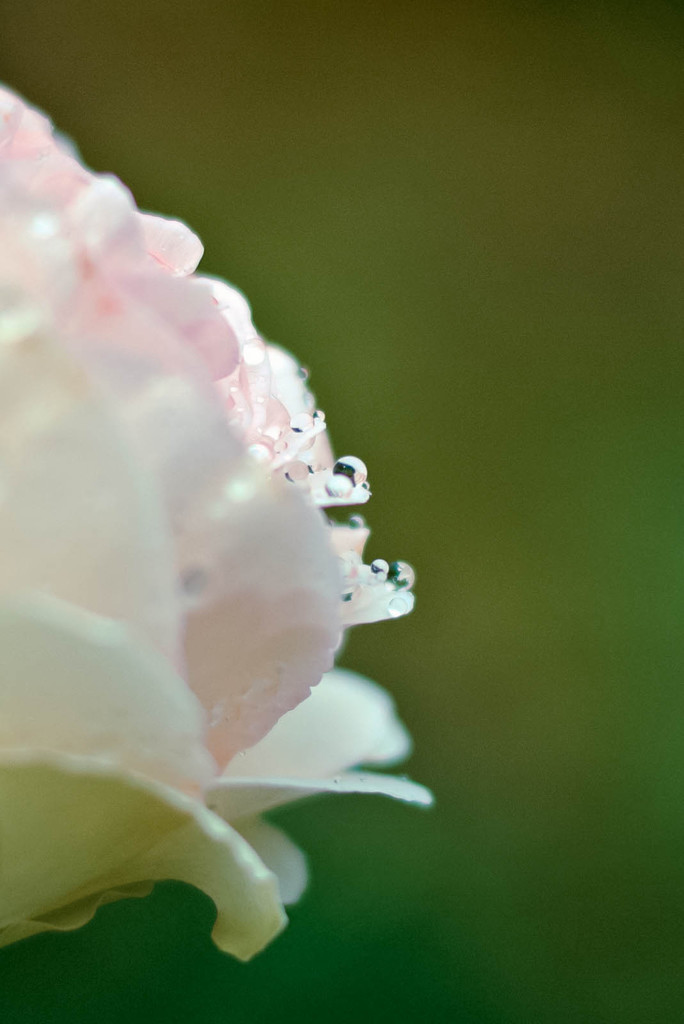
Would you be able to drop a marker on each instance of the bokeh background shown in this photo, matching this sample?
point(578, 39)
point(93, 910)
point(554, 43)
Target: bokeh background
point(466, 218)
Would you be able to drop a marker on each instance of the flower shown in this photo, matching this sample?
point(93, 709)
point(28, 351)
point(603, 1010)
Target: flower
point(171, 594)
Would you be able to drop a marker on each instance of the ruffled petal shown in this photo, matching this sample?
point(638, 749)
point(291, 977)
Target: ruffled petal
point(240, 797)
point(72, 916)
point(279, 854)
point(73, 833)
point(77, 683)
point(346, 721)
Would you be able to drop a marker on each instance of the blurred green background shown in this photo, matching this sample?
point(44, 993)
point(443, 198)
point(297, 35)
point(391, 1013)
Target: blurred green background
point(466, 218)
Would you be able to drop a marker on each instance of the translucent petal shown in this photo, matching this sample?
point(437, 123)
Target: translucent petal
point(346, 721)
point(71, 831)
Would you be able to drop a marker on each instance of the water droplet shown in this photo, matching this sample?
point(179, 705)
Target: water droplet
point(260, 452)
point(254, 352)
point(307, 443)
point(303, 373)
point(398, 606)
point(296, 471)
point(319, 416)
point(339, 486)
point(44, 225)
point(301, 422)
point(357, 522)
point(402, 575)
point(351, 467)
point(379, 567)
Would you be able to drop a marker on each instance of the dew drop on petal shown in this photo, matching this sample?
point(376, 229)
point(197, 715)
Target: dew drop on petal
point(254, 352)
point(301, 422)
point(380, 568)
point(296, 471)
point(351, 467)
point(398, 606)
point(306, 444)
point(357, 522)
point(339, 486)
point(260, 452)
point(402, 575)
point(44, 225)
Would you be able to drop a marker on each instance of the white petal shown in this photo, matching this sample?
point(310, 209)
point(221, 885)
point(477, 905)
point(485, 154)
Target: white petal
point(346, 721)
point(75, 834)
point(279, 854)
point(234, 798)
point(78, 516)
point(74, 682)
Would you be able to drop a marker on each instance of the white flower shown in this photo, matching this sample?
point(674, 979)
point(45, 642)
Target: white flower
point(170, 591)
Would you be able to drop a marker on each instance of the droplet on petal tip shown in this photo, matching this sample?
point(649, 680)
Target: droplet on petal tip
point(352, 468)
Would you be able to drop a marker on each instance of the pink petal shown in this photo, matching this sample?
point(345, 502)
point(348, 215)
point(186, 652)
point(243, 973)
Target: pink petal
point(267, 625)
point(171, 243)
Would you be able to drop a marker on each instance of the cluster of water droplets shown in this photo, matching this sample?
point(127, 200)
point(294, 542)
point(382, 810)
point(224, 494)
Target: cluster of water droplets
point(371, 591)
point(271, 405)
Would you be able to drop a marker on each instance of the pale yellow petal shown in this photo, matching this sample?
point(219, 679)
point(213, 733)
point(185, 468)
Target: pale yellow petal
point(75, 915)
point(279, 853)
point(71, 830)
